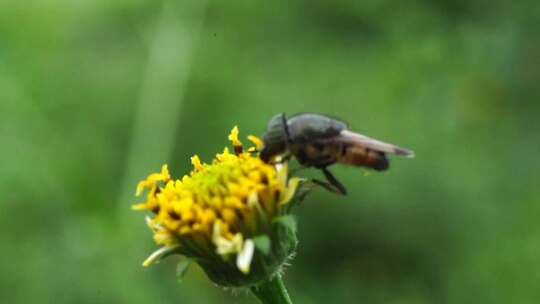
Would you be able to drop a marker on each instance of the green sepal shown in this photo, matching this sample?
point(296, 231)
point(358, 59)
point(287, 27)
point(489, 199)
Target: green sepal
point(288, 221)
point(262, 243)
point(181, 269)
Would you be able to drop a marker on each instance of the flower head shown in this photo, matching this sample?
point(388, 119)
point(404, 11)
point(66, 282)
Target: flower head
point(227, 215)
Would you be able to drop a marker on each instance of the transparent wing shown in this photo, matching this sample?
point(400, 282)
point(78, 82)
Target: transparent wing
point(377, 145)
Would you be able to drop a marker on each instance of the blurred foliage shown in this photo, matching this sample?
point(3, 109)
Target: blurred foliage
point(96, 94)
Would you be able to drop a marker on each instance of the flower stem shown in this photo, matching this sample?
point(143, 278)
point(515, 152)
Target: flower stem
point(272, 291)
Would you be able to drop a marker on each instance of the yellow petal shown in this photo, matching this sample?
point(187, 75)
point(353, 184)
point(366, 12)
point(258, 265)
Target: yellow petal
point(290, 190)
point(233, 137)
point(165, 176)
point(154, 257)
point(140, 206)
point(259, 144)
point(140, 187)
point(282, 170)
point(196, 162)
point(244, 258)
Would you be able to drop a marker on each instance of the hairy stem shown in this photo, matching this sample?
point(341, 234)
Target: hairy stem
point(272, 291)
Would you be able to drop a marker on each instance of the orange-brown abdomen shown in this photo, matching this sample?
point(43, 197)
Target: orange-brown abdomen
point(358, 155)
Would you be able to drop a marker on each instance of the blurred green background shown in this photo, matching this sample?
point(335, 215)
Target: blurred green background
point(96, 94)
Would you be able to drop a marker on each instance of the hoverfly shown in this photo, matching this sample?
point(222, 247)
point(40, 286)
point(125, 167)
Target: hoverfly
point(317, 140)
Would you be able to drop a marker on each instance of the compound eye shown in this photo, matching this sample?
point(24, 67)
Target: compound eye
point(275, 138)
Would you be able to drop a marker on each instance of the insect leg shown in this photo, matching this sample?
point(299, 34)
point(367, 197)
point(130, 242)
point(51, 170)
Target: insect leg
point(334, 182)
point(326, 185)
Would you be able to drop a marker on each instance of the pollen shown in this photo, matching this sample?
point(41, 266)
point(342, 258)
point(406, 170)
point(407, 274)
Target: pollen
point(217, 207)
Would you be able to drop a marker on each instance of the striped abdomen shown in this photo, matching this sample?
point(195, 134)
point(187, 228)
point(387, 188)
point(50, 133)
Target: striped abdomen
point(326, 152)
point(359, 155)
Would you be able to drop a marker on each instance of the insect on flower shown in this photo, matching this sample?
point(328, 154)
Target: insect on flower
point(233, 216)
point(319, 141)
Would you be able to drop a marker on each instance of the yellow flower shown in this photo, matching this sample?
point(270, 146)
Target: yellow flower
point(219, 211)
